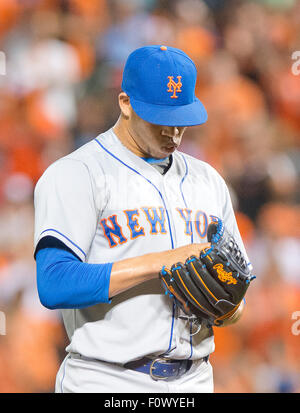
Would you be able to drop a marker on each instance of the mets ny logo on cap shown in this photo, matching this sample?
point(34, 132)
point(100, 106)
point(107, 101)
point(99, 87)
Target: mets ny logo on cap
point(173, 86)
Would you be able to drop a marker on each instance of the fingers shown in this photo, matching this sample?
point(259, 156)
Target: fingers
point(203, 246)
point(197, 248)
point(181, 254)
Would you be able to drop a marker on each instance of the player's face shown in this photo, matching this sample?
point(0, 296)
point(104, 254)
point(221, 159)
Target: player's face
point(143, 138)
point(154, 141)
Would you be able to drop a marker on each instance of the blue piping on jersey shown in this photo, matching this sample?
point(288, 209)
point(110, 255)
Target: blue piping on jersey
point(73, 243)
point(169, 224)
point(172, 327)
point(192, 238)
point(181, 183)
point(191, 339)
point(134, 170)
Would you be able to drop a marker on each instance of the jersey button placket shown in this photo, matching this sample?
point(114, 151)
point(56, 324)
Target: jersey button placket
point(170, 200)
point(167, 194)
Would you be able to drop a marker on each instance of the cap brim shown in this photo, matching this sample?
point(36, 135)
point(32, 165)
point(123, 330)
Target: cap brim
point(186, 115)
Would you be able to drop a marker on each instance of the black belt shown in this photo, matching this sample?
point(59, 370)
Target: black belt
point(162, 368)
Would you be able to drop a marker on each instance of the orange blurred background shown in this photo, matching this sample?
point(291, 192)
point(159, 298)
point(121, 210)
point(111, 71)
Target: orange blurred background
point(64, 61)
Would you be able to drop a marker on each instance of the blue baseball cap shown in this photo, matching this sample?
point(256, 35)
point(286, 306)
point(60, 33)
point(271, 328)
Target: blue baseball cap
point(160, 82)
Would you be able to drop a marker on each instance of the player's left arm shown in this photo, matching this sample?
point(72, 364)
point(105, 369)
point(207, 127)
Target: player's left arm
point(229, 219)
point(235, 317)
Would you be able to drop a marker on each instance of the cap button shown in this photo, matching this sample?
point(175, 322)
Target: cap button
point(163, 48)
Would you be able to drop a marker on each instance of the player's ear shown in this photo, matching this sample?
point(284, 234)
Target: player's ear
point(124, 103)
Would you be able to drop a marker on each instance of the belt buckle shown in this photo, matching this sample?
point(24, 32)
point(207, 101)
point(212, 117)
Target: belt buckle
point(152, 375)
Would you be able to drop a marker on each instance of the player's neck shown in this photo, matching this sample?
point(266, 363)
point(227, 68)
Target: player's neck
point(122, 133)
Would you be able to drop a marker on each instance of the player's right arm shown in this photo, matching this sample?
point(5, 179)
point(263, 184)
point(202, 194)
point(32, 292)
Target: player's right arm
point(64, 281)
point(132, 271)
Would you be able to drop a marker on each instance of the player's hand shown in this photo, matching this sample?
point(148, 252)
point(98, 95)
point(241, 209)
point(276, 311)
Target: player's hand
point(180, 254)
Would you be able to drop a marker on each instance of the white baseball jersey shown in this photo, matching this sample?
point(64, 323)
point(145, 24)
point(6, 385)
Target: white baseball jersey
point(107, 204)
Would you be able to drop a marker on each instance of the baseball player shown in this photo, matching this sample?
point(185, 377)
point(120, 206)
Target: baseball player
point(110, 216)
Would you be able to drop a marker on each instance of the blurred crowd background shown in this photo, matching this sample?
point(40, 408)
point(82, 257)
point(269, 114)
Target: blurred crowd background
point(64, 61)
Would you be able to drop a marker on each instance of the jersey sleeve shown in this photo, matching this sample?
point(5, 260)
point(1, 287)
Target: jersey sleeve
point(230, 222)
point(65, 206)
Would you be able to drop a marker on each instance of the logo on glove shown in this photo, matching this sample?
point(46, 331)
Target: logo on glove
point(224, 276)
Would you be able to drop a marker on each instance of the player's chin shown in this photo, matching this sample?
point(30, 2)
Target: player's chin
point(168, 150)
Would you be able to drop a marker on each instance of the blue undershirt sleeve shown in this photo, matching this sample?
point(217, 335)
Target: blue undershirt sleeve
point(63, 281)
